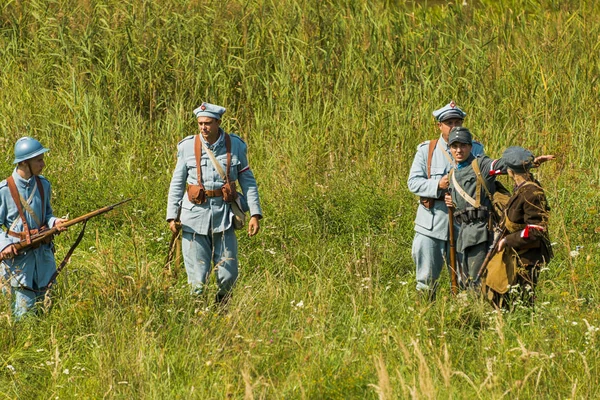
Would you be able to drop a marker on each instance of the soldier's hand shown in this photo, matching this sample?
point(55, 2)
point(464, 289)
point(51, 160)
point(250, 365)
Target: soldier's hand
point(443, 183)
point(501, 244)
point(8, 252)
point(542, 159)
point(448, 200)
point(174, 226)
point(58, 224)
point(253, 226)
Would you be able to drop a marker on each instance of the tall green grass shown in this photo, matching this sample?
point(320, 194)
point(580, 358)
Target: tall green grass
point(332, 98)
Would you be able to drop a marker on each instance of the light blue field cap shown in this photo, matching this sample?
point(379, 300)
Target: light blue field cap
point(209, 110)
point(450, 110)
point(26, 148)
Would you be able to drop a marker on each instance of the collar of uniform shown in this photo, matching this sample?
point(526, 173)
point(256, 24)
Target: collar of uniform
point(465, 163)
point(216, 144)
point(20, 181)
point(444, 142)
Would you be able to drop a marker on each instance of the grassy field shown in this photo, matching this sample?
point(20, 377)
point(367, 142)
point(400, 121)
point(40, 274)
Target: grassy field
point(332, 98)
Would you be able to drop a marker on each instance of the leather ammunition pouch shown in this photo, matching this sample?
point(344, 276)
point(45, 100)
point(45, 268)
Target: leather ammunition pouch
point(427, 202)
point(471, 214)
point(228, 191)
point(196, 194)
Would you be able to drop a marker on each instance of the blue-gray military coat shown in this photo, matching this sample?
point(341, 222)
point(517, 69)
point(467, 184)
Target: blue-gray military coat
point(433, 222)
point(473, 233)
point(214, 215)
point(34, 265)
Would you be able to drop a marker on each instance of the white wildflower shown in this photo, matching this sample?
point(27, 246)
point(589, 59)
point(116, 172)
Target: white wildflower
point(66, 371)
point(11, 369)
point(574, 253)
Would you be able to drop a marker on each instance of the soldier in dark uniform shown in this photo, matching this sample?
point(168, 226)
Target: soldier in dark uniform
point(472, 185)
point(527, 243)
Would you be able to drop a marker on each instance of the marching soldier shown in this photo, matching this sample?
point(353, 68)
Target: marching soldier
point(203, 185)
point(25, 210)
point(428, 179)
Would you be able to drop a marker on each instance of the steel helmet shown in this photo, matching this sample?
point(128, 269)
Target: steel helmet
point(26, 148)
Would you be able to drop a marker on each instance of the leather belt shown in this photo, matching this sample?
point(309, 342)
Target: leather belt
point(214, 193)
point(471, 214)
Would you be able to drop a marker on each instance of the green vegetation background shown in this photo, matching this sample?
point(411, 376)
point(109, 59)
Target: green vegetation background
point(332, 97)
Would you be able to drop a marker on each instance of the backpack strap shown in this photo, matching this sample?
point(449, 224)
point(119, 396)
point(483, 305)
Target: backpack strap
point(432, 145)
point(475, 202)
point(14, 193)
point(198, 156)
point(480, 180)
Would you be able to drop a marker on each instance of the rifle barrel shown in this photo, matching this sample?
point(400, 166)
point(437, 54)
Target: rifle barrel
point(54, 230)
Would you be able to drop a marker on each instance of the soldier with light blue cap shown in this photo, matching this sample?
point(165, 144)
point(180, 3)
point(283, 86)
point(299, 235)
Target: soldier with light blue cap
point(24, 210)
point(205, 191)
point(428, 179)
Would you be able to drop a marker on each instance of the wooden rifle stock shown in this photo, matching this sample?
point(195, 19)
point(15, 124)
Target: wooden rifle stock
point(174, 245)
point(453, 271)
point(46, 234)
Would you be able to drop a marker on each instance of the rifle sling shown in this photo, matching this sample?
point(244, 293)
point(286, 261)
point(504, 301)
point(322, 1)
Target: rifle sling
point(12, 187)
point(62, 264)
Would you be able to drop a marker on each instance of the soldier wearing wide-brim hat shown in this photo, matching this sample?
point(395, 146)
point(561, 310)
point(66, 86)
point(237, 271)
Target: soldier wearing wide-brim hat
point(24, 210)
point(207, 217)
point(472, 183)
point(527, 242)
point(428, 179)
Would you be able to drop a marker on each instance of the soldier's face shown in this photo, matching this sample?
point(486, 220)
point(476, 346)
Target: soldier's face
point(447, 125)
point(36, 165)
point(209, 127)
point(460, 151)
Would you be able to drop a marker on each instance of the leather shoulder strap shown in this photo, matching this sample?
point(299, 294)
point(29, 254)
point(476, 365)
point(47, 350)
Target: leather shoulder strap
point(432, 144)
point(198, 155)
point(480, 180)
point(38, 182)
point(228, 149)
point(14, 193)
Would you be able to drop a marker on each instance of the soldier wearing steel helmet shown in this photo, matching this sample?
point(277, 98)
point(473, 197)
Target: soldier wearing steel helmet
point(428, 179)
point(24, 210)
point(207, 217)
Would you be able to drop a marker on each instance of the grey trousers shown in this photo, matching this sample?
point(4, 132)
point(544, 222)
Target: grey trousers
point(201, 251)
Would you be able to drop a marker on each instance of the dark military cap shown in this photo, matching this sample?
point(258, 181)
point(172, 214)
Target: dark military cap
point(518, 159)
point(460, 134)
point(449, 111)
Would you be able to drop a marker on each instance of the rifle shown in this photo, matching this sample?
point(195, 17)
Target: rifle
point(45, 235)
point(174, 244)
point(453, 273)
